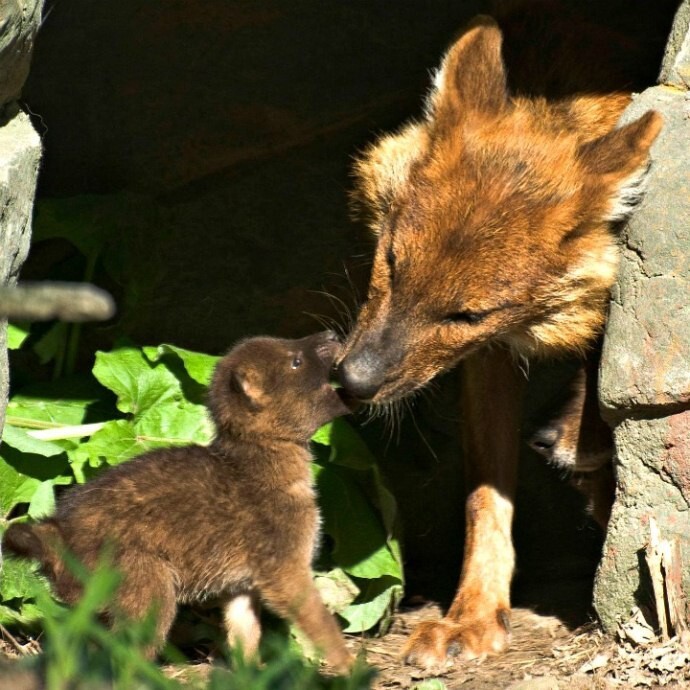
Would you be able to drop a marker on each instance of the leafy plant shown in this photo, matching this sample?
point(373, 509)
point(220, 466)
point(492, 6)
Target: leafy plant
point(144, 398)
point(79, 652)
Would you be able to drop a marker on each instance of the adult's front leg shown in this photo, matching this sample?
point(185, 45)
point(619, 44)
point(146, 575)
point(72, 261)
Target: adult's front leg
point(478, 621)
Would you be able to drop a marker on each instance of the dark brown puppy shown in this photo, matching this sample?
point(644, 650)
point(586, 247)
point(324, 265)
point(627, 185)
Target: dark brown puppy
point(237, 519)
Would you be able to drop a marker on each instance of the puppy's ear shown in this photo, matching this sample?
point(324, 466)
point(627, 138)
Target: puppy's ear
point(243, 381)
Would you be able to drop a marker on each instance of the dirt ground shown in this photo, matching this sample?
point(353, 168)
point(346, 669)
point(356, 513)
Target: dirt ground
point(544, 655)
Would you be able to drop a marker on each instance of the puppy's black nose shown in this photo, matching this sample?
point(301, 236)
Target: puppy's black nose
point(361, 375)
point(543, 440)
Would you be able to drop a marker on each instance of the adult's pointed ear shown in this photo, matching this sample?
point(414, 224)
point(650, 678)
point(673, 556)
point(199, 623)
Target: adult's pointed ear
point(619, 160)
point(472, 77)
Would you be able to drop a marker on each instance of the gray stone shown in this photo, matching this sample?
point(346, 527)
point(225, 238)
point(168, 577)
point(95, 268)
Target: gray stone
point(20, 152)
point(19, 22)
point(647, 346)
point(653, 474)
point(645, 377)
point(675, 69)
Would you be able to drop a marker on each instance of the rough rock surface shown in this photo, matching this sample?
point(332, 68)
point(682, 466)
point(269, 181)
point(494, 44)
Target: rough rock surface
point(19, 22)
point(20, 150)
point(675, 69)
point(645, 373)
point(647, 348)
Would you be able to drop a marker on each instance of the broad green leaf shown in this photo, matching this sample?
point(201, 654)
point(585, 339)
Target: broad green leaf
point(139, 386)
point(198, 365)
point(347, 448)
point(15, 488)
point(52, 342)
point(377, 604)
point(337, 590)
point(16, 335)
point(162, 426)
point(54, 468)
point(20, 440)
point(20, 579)
point(42, 502)
point(67, 402)
point(175, 425)
point(26, 614)
point(361, 547)
point(116, 442)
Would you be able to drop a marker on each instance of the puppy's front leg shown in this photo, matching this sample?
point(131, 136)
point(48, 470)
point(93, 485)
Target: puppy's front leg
point(298, 598)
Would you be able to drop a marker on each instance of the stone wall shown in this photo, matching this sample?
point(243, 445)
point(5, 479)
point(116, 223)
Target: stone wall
point(20, 152)
point(645, 370)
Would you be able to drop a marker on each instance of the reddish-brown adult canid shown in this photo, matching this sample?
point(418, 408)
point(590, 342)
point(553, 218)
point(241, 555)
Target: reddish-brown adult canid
point(494, 218)
point(236, 520)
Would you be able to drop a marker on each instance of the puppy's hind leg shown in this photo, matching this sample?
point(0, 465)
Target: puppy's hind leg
point(241, 616)
point(147, 585)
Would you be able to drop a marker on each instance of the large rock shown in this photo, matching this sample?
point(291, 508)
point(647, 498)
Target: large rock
point(20, 152)
point(675, 69)
point(647, 347)
point(645, 373)
point(19, 22)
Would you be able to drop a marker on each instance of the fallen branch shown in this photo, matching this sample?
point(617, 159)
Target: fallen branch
point(48, 300)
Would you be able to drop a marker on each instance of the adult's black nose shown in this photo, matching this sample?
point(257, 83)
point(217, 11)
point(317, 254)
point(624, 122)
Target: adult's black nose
point(544, 439)
point(361, 374)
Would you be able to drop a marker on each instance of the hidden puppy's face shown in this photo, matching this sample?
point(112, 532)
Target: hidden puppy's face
point(278, 387)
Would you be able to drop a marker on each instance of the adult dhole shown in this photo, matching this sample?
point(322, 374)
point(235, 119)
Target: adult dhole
point(495, 220)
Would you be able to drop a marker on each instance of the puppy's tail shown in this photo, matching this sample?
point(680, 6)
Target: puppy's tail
point(40, 541)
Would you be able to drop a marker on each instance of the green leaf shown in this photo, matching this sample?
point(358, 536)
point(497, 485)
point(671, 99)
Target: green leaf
point(175, 425)
point(347, 447)
point(55, 468)
point(349, 450)
point(337, 590)
point(159, 427)
point(378, 602)
point(20, 440)
point(15, 488)
point(67, 402)
point(361, 547)
point(42, 502)
point(139, 386)
point(16, 335)
point(20, 579)
point(52, 342)
point(198, 365)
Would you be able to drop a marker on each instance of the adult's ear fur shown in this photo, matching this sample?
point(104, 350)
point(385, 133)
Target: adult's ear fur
point(619, 162)
point(472, 77)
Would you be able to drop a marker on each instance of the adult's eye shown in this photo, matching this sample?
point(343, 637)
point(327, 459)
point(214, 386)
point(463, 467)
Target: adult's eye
point(296, 362)
point(468, 317)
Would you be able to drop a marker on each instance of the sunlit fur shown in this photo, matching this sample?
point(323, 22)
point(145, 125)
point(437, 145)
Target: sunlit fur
point(496, 200)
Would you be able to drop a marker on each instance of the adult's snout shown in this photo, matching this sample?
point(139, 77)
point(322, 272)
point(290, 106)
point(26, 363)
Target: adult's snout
point(361, 374)
point(544, 440)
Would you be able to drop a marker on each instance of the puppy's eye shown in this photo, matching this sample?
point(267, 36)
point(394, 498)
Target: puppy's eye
point(296, 362)
point(469, 317)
